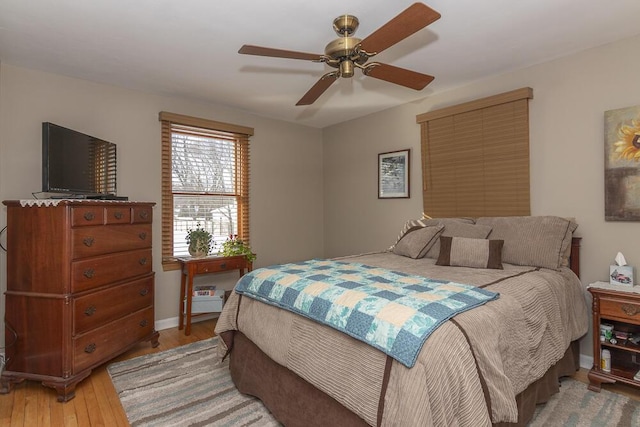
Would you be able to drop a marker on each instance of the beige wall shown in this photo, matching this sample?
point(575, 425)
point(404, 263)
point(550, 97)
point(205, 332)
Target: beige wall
point(286, 161)
point(567, 156)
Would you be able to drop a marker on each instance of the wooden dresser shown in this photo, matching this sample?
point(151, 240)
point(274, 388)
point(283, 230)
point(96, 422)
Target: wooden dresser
point(80, 288)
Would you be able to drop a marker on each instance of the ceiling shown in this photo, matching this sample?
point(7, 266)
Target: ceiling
point(188, 49)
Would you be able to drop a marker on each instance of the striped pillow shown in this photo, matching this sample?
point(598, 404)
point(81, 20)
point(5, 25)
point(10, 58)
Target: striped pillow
point(417, 240)
point(468, 252)
point(539, 241)
point(459, 229)
point(426, 222)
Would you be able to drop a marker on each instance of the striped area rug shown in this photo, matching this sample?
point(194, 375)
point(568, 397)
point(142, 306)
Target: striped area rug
point(577, 406)
point(184, 387)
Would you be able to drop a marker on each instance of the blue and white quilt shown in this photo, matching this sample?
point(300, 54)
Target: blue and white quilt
point(392, 311)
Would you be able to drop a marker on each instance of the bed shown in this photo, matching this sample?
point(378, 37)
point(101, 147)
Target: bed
point(488, 365)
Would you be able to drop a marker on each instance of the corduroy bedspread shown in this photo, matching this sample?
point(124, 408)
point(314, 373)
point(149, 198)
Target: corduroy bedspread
point(468, 371)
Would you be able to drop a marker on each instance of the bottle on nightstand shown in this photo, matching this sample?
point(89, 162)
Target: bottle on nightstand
point(605, 360)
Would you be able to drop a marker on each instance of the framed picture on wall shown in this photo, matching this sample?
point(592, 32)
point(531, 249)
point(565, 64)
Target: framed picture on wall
point(622, 164)
point(393, 174)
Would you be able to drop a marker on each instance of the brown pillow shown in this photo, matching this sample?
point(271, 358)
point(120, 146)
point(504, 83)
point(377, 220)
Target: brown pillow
point(539, 241)
point(467, 252)
point(426, 222)
point(417, 240)
point(459, 229)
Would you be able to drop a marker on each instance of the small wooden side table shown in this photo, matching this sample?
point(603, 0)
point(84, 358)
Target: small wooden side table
point(618, 306)
point(192, 267)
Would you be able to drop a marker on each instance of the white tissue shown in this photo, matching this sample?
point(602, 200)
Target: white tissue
point(620, 259)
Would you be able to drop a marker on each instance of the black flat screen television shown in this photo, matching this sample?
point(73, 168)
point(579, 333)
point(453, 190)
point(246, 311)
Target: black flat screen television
point(77, 165)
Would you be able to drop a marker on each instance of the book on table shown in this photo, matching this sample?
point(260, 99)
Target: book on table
point(204, 290)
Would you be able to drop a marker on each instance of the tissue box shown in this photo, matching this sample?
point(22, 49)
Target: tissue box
point(621, 275)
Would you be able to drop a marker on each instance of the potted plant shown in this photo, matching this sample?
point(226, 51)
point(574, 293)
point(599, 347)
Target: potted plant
point(199, 241)
point(235, 246)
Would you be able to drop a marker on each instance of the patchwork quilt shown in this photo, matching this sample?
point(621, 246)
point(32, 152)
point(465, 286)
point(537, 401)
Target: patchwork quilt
point(392, 311)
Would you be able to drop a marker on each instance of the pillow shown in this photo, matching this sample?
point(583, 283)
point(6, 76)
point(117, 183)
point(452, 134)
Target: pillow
point(564, 261)
point(417, 240)
point(425, 222)
point(467, 252)
point(459, 229)
point(539, 241)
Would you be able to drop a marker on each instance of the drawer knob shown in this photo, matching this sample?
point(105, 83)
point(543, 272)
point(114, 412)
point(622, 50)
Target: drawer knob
point(144, 292)
point(143, 261)
point(88, 273)
point(88, 241)
point(90, 310)
point(144, 214)
point(89, 216)
point(142, 236)
point(118, 215)
point(630, 309)
point(143, 323)
point(223, 265)
point(90, 348)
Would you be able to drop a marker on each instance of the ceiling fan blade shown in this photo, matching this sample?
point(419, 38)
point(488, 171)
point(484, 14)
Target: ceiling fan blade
point(318, 89)
point(278, 53)
point(399, 76)
point(414, 18)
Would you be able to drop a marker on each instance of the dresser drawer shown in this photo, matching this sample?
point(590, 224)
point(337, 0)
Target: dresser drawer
point(117, 215)
point(98, 308)
point(86, 215)
point(90, 273)
point(142, 215)
point(215, 266)
point(620, 309)
point(91, 241)
point(103, 343)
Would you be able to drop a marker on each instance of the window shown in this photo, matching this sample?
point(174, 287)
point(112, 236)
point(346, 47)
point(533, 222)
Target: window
point(205, 181)
point(475, 157)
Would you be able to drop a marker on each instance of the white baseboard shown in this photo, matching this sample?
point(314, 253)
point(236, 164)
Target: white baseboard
point(586, 362)
point(172, 322)
point(166, 323)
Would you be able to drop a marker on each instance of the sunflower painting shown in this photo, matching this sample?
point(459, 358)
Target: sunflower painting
point(622, 164)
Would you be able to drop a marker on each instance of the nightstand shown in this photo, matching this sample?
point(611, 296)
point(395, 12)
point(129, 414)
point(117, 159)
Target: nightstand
point(618, 306)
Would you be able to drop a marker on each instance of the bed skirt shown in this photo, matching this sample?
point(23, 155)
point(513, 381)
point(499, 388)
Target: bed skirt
point(288, 396)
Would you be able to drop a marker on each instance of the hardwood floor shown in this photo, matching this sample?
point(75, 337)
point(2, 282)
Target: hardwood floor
point(96, 403)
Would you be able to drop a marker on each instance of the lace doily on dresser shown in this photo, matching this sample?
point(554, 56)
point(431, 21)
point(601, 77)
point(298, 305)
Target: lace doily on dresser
point(54, 202)
point(40, 202)
point(622, 288)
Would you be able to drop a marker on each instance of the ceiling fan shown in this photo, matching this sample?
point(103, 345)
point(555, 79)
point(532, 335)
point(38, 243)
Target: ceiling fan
point(347, 53)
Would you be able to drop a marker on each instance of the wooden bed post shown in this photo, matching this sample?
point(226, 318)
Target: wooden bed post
point(574, 258)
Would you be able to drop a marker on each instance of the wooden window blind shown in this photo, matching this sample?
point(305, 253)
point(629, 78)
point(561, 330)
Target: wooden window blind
point(103, 155)
point(205, 181)
point(475, 157)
